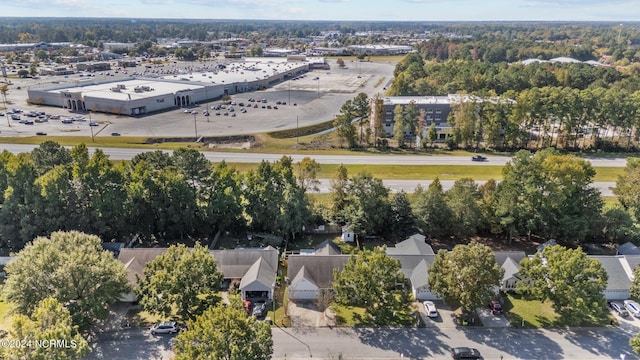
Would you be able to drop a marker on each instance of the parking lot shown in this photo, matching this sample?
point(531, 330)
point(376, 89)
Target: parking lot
point(317, 96)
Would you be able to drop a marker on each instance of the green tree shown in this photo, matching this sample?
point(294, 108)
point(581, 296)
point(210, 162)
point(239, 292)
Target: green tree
point(402, 220)
point(182, 279)
point(550, 195)
point(48, 155)
point(70, 267)
point(432, 134)
point(50, 321)
point(343, 124)
point(370, 279)
point(338, 194)
point(431, 210)
point(628, 187)
point(224, 332)
point(367, 207)
point(399, 125)
point(467, 277)
point(573, 282)
point(220, 200)
point(634, 291)
point(463, 200)
point(308, 174)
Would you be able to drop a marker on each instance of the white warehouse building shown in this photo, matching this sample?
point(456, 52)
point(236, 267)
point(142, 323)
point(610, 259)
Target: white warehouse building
point(135, 96)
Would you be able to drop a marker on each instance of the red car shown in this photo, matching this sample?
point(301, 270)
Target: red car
point(496, 308)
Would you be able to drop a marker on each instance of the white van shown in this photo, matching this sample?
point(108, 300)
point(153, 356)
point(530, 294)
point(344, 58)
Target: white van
point(633, 308)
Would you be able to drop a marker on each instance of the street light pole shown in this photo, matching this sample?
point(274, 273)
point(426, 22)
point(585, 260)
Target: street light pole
point(195, 126)
point(297, 131)
point(91, 127)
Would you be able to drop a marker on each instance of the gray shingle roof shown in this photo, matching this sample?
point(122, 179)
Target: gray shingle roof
point(328, 247)
point(317, 268)
point(135, 260)
point(260, 272)
point(628, 248)
point(613, 265)
point(235, 263)
point(413, 245)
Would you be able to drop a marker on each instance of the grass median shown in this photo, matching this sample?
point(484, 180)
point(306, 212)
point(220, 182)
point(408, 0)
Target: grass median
point(429, 172)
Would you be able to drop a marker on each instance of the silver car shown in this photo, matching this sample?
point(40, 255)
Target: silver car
point(169, 327)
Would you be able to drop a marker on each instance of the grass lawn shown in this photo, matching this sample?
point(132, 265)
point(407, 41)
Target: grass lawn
point(348, 315)
point(419, 172)
point(535, 314)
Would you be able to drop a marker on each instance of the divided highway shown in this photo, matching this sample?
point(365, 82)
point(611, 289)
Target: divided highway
point(395, 185)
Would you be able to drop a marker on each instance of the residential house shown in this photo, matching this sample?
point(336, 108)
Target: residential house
point(312, 273)
point(619, 273)
point(135, 261)
point(254, 268)
point(415, 256)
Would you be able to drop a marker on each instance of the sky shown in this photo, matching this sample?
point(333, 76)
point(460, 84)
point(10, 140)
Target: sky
point(372, 10)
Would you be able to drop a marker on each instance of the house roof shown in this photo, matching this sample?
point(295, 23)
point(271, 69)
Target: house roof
point(114, 247)
point(235, 263)
point(502, 256)
point(135, 260)
point(260, 272)
point(409, 264)
point(317, 268)
point(628, 248)
point(633, 261)
point(413, 245)
point(511, 268)
point(420, 276)
point(613, 265)
point(327, 247)
point(303, 274)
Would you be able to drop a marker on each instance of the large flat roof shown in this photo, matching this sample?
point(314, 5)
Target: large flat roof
point(240, 72)
point(158, 87)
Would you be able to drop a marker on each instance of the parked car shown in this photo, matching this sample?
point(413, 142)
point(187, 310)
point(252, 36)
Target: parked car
point(478, 158)
point(259, 309)
point(431, 309)
point(40, 133)
point(115, 134)
point(169, 327)
point(632, 307)
point(94, 124)
point(496, 308)
point(465, 353)
point(618, 308)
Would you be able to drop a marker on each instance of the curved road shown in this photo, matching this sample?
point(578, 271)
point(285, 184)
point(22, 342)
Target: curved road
point(407, 186)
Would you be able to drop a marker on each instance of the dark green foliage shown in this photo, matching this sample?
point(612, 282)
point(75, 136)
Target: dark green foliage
point(372, 280)
point(183, 280)
point(70, 267)
point(568, 278)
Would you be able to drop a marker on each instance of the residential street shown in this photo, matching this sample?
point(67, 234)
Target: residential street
point(432, 342)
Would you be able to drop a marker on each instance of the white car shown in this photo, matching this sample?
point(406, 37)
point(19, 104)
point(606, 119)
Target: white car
point(431, 309)
point(165, 328)
point(633, 308)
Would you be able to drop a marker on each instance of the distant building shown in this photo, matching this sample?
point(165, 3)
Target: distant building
point(381, 49)
point(435, 109)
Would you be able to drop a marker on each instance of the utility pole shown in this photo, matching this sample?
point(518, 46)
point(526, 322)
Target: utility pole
point(195, 126)
point(297, 131)
point(91, 127)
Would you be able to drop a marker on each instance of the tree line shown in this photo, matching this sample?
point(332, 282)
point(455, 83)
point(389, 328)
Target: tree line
point(156, 195)
point(171, 197)
point(574, 106)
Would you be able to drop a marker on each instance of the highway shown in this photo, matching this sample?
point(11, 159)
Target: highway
point(395, 185)
point(246, 157)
